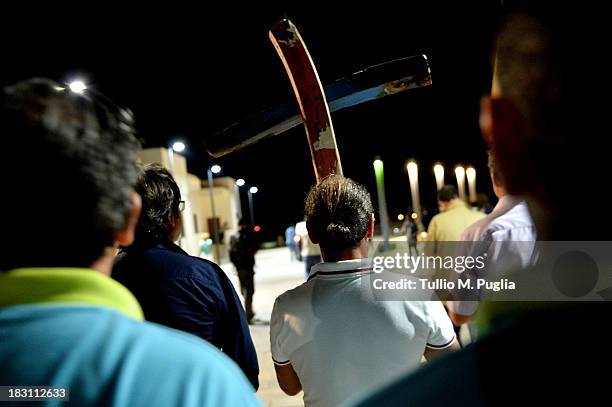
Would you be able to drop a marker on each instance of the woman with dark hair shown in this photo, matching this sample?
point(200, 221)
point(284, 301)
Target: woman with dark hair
point(330, 336)
point(178, 290)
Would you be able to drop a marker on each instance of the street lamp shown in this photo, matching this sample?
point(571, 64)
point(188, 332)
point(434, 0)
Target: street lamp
point(252, 190)
point(178, 146)
point(214, 169)
point(413, 177)
point(439, 173)
point(240, 182)
point(77, 86)
point(471, 179)
point(460, 174)
point(379, 173)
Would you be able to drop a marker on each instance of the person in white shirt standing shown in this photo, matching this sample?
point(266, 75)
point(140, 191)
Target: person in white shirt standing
point(329, 336)
point(506, 235)
point(310, 252)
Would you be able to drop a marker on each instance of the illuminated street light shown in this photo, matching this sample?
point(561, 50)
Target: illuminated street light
point(400, 217)
point(252, 190)
point(413, 177)
point(77, 86)
point(471, 179)
point(178, 146)
point(240, 182)
point(460, 174)
point(379, 173)
point(215, 169)
point(439, 173)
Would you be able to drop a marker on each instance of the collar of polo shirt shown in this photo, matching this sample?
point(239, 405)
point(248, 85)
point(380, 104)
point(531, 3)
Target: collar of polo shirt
point(341, 267)
point(72, 286)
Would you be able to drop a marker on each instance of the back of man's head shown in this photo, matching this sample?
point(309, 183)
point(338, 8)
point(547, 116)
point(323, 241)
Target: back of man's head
point(338, 213)
point(161, 198)
point(447, 193)
point(72, 176)
point(549, 71)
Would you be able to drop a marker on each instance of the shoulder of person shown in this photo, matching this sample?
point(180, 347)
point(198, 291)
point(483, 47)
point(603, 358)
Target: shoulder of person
point(291, 297)
point(189, 364)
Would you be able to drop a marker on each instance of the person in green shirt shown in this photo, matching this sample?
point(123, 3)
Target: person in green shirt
point(453, 219)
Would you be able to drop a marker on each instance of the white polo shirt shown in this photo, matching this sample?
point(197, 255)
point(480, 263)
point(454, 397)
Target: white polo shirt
point(342, 342)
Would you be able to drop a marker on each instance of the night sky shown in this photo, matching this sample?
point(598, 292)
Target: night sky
point(187, 72)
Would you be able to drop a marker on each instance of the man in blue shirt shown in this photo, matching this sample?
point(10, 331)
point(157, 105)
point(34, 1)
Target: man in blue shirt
point(63, 321)
point(178, 290)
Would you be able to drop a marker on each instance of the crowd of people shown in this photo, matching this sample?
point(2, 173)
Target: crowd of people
point(169, 329)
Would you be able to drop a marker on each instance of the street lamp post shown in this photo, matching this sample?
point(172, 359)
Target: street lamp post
point(379, 172)
point(413, 177)
point(471, 179)
point(252, 190)
point(460, 174)
point(439, 173)
point(215, 230)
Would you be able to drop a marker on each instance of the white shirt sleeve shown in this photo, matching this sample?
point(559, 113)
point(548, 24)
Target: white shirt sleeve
point(441, 333)
point(276, 325)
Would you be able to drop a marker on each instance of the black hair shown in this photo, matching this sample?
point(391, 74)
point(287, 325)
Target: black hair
point(71, 185)
point(161, 199)
point(338, 212)
point(447, 193)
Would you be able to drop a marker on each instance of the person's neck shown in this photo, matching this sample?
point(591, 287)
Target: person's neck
point(104, 264)
point(453, 203)
point(354, 253)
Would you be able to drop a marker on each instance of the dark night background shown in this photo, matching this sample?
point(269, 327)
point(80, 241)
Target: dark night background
point(189, 72)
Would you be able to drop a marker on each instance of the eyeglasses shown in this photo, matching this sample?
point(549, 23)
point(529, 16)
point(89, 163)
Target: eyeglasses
point(181, 206)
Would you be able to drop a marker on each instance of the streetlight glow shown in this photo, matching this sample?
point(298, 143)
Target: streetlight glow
point(471, 174)
point(178, 146)
point(378, 165)
point(253, 190)
point(215, 169)
point(460, 174)
point(439, 174)
point(413, 178)
point(77, 86)
point(240, 182)
point(471, 179)
point(400, 217)
point(413, 169)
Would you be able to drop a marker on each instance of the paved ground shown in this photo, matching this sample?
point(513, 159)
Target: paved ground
point(274, 274)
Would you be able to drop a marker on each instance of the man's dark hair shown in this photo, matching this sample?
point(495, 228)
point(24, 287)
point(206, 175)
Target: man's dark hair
point(161, 199)
point(72, 178)
point(338, 212)
point(447, 193)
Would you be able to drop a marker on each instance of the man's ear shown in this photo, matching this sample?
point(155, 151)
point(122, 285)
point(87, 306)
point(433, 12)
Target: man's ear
point(504, 132)
point(370, 233)
point(126, 236)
